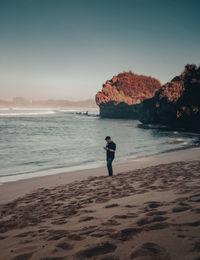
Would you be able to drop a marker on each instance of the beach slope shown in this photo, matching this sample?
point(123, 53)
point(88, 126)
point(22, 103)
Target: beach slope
point(146, 213)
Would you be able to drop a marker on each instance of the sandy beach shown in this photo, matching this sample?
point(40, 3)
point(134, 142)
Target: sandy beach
point(148, 210)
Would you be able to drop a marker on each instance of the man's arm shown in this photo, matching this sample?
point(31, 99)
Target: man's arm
point(108, 149)
point(111, 150)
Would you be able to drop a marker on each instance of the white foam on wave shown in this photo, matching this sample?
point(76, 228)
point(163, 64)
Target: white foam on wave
point(175, 140)
point(70, 110)
point(4, 109)
point(27, 113)
point(31, 108)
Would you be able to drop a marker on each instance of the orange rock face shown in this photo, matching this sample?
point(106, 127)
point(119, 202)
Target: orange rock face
point(128, 88)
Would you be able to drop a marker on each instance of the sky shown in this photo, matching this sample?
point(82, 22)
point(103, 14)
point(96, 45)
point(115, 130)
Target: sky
point(66, 49)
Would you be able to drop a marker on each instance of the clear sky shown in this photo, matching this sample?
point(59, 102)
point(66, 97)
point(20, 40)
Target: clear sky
point(68, 48)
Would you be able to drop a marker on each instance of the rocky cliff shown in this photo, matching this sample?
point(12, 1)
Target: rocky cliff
point(177, 103)
point(121, 97)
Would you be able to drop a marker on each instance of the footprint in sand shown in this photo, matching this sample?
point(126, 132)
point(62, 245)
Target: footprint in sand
point(101, 200)
point(56, 234)
point(125, 234)
point(87, 211)
point(112, 205)
point(110, 222)
point(102, 232)
point(75, 237)
point(23, 256)
point(142, 191)
point(197, 210)
point(54, 258)
point(156, 226)
point(145, 221)
point(192, 224)
point(88, 218)
point(88, 230)
point(156, 213)
point(99, 234)
point(26, 241)
point(180, 199)
point(196, 246)
point(59, 221)
point(25, 234)
point(150, 251)
point(41, 230)
point(64, 246)
point(154, 204)
point(153, 223)
point(98, 249)
point(129, 206)
point(110, 257)
point(181, 236)
point(195, 198)
point(129, 215)
point(180, 208)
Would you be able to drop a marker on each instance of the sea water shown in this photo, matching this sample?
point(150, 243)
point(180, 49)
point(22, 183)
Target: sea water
point(38, 142)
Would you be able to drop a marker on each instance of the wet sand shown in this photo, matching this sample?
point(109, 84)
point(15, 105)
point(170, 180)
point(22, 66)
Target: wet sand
point(150, 209)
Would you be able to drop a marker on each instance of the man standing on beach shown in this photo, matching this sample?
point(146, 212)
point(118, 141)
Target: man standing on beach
point(110, 154)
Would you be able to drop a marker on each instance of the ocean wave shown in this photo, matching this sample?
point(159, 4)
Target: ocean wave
point(4, 109)
point(27, 113)
point(175, 141)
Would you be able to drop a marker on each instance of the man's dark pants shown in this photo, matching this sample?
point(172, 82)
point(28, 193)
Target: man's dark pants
point(109, 166)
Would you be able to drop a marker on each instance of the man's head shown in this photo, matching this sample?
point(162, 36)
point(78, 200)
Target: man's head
point(108, 139)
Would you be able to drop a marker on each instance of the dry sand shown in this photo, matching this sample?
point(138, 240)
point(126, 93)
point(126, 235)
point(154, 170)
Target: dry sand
point(151, 210)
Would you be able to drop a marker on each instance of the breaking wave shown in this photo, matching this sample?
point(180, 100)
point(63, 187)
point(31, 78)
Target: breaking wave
point(13, 112)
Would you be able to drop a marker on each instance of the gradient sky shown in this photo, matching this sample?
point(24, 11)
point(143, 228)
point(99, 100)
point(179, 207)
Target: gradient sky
point(68, 48)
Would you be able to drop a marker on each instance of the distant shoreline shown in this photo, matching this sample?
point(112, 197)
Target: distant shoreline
point(21, 102)
point(24, 111)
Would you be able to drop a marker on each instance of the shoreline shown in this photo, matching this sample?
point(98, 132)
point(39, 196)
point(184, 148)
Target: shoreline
point(149, 210)
point(88, 166)
point(12, 190)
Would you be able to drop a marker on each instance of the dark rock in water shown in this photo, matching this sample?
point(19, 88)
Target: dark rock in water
point(148, 112)
point(177, 103)
point(121, 96)
point(121, 110)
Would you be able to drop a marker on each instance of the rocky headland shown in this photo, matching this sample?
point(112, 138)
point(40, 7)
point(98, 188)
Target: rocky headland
point(177, 103)
point(121, 97)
